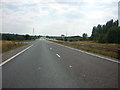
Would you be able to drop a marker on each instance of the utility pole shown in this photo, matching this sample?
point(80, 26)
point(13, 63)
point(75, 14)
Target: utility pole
point(66, 33)
point(66, 36)
point(33, 31)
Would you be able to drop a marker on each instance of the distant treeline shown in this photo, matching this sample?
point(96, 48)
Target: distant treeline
point(15, 37)
point(108, 33)
point(68, 38)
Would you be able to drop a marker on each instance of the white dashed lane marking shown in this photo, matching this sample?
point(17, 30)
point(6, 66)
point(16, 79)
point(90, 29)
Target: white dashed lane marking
point(70, 66)
point(58, 55)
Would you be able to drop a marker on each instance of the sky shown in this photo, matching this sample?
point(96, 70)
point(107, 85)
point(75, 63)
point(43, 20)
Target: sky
point(55, 17)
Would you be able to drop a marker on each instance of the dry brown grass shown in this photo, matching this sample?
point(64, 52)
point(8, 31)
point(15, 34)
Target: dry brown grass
point(106, 45)
point(105, 49)
point(9, 45)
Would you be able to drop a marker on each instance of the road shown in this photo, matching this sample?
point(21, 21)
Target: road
point(49, 65)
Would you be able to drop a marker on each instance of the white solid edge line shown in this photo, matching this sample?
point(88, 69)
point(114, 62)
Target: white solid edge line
point(90, 53)
point(14, 56)
point(58, 55)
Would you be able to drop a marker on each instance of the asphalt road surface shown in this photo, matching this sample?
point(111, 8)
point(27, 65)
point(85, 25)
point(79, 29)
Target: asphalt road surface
point(49, 65)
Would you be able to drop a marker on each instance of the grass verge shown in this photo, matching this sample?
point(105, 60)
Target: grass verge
point(104, 49)
point(9, 45)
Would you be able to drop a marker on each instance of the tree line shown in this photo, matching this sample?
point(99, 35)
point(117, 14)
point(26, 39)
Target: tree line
point(108, 33)
point(14, 37)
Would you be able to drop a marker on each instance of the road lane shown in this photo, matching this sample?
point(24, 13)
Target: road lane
point(95, 71)
point(40, 67)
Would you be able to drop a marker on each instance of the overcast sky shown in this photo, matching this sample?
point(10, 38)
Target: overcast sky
point(56, 17)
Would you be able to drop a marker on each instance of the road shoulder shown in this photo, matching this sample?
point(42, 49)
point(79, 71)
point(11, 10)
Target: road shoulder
point(8, 54)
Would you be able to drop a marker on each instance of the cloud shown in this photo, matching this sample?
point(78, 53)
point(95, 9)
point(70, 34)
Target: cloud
point(56, 17)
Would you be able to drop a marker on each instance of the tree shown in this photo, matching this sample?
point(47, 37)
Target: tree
point(27, 37)
point(113, 35)
point(116, 23)
point(109, 24)
point(108, 33)
point(47, 36)
point(85, 36)
point(63, 37)
point(94, 33)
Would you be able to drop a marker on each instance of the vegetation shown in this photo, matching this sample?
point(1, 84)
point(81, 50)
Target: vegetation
point(84, 37)
point(9, 45)
point(108, 33)
point(11, 41)
point(105, 39)
point(64, 38)
point(90, 46)
point(15, 37)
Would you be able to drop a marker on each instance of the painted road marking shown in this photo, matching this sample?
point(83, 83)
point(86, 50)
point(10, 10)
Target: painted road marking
point(50, 48)
point(109, 59)
point(15, 56)
point(70, 66)
point(58, 55)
